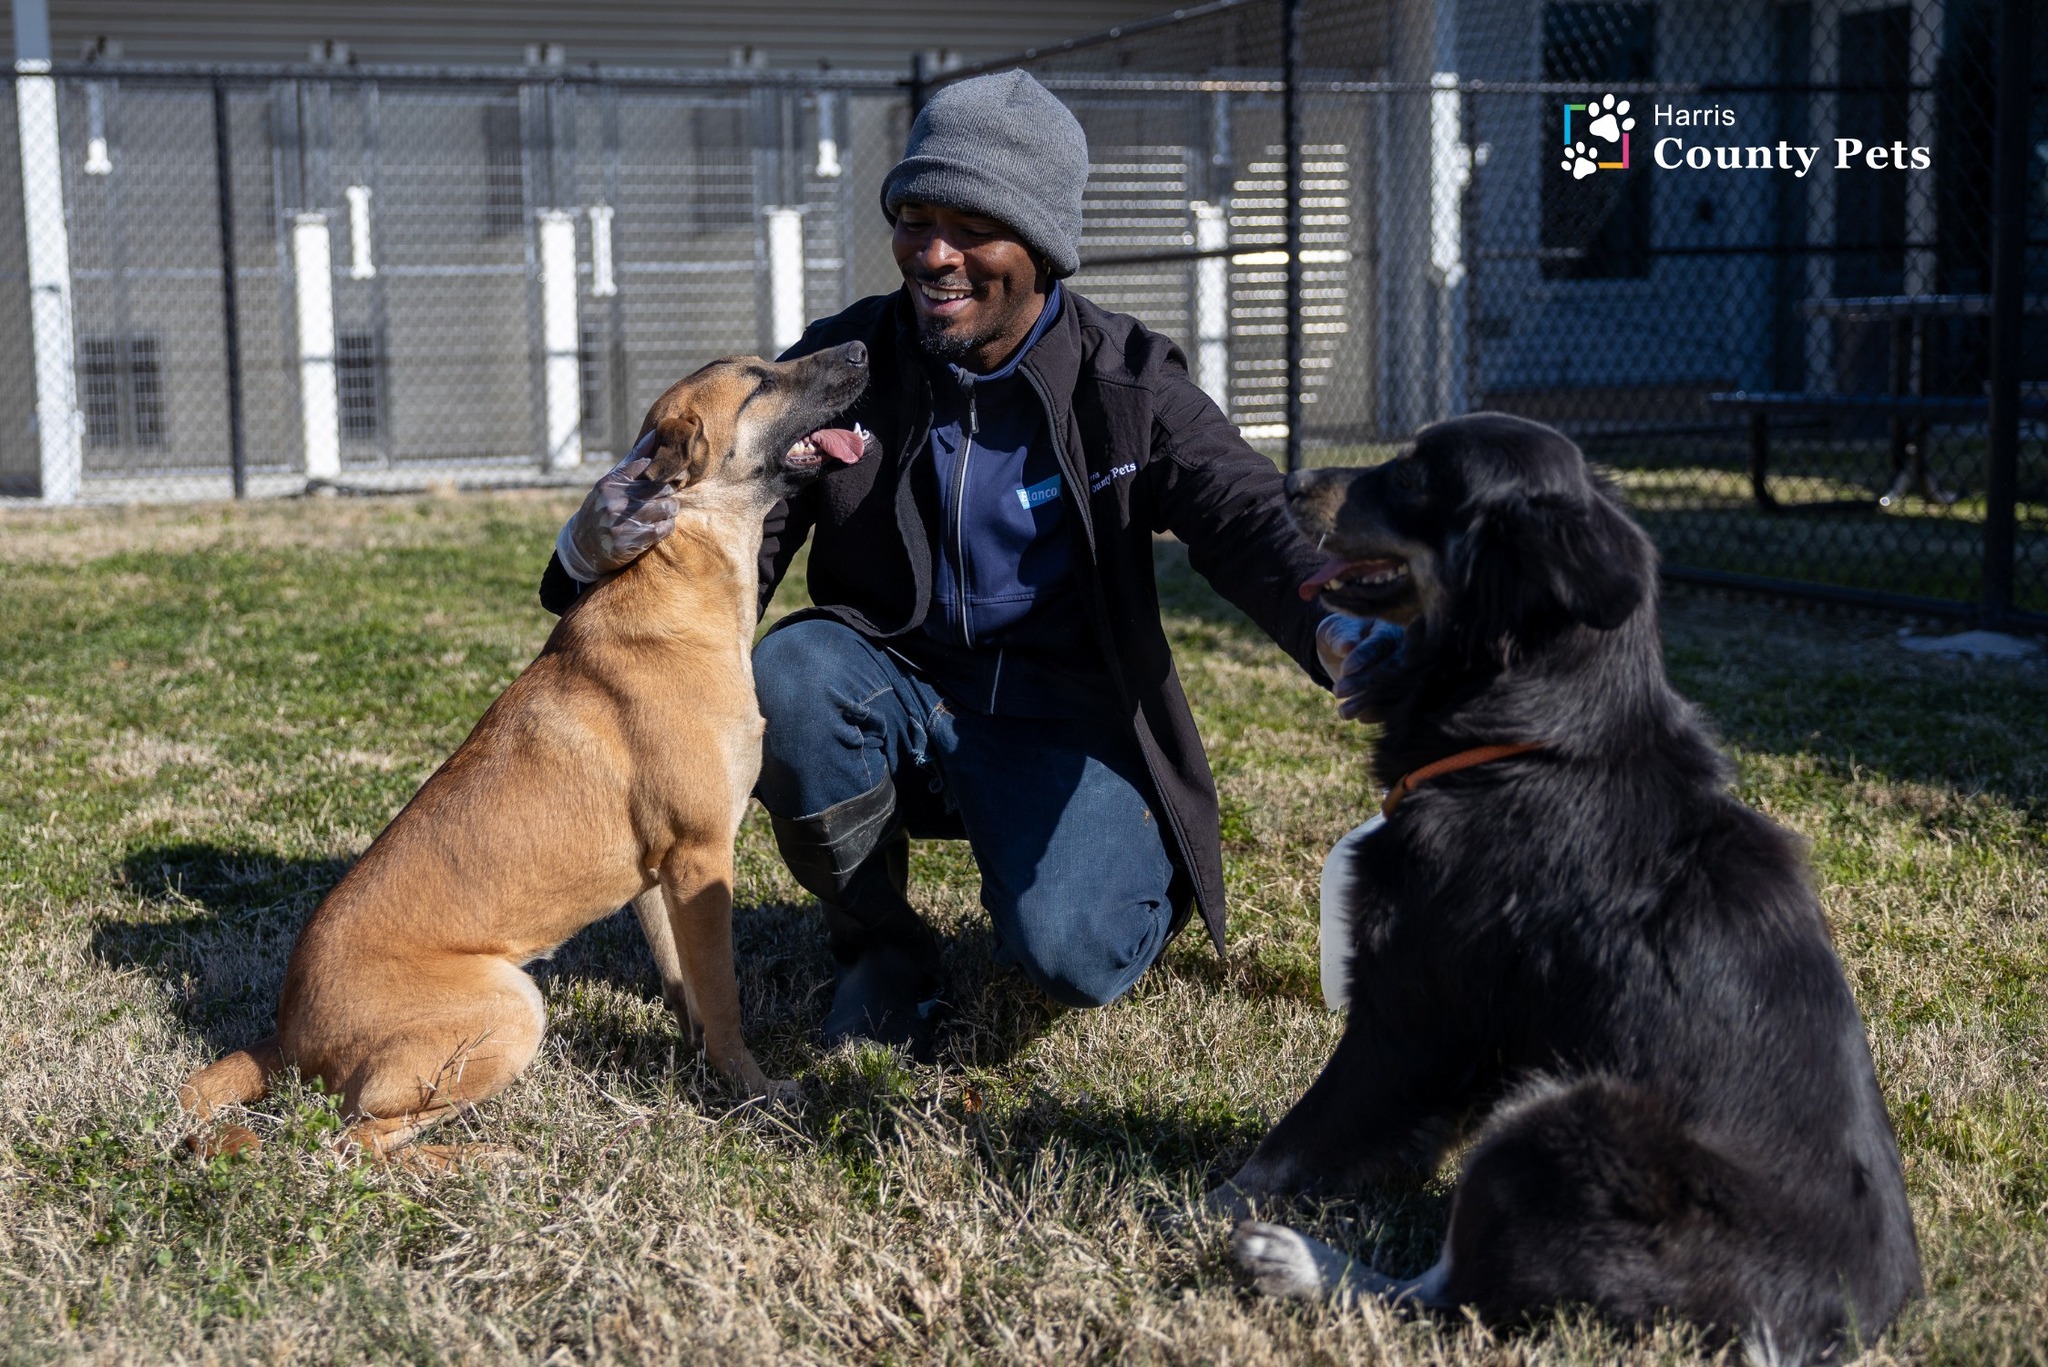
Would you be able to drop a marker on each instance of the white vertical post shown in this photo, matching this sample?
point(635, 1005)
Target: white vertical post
point(1450, 172)
point(828, 136)
point(97, 162)
point(319, 408)
point(1212, 303)
point(361, 266)
point(1406, 341)
point(785, 276)
point(603, 285)
point(58, 425)
point(562, 366)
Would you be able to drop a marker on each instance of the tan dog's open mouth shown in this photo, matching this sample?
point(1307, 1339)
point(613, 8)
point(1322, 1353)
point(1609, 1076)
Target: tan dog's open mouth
point(1358, 585)
point(843, 444)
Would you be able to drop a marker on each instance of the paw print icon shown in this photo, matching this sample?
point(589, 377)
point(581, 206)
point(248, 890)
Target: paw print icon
point(1579, 161)
point(1607, 118)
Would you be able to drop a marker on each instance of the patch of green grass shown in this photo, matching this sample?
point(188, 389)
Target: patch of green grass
point(208, 712)
point(1695, 500)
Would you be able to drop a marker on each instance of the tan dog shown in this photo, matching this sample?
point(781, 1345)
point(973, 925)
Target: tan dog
point(617, 766)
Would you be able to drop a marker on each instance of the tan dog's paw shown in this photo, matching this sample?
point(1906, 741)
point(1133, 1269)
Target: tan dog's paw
point(222, 1141)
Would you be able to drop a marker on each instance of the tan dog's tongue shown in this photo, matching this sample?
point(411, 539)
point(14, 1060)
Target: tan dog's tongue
point(839, 443)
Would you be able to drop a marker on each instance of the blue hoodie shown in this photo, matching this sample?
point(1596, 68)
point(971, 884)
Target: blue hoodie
point(1007, 633)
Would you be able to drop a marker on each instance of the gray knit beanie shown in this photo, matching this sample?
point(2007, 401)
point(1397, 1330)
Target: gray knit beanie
point(1003, 147)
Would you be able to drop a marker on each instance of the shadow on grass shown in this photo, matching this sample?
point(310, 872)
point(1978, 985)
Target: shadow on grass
point(1244, 975)
point(1048, 1147)
point(1180, 1147)
point(1861, 707)
point(215, 928)
point(1024, 1137)
point(997, 1013)
point(785, 978)
point(219, 922)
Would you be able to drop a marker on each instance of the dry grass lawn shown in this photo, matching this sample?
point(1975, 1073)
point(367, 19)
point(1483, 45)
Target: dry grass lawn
point(206, 713)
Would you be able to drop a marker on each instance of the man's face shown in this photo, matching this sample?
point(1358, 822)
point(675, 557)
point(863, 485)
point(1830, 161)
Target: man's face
point(975, 285)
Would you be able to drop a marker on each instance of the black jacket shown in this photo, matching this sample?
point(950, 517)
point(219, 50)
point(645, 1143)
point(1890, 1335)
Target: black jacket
point(1143, 451)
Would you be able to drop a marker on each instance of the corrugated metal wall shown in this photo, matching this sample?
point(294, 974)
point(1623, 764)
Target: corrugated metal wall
point(621, 32)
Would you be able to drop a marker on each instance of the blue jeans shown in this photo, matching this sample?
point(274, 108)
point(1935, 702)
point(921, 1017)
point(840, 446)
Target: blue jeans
point(1074, 870)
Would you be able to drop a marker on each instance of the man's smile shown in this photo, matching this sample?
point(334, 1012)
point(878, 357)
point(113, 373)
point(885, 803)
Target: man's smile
point(944, 300)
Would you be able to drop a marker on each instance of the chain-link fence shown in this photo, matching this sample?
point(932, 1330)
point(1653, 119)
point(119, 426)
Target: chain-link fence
point(1746, 252)
point(255, 280)
point(1742, 251)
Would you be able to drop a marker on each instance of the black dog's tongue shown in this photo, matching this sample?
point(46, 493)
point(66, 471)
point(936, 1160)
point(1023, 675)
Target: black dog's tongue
point(1330, 569)
point(840, 443)
point(1337, 567)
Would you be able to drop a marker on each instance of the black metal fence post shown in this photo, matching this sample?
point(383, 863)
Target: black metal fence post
point(919, 87)
point(1290, 133)
point(2008, 288)
point(231, 327)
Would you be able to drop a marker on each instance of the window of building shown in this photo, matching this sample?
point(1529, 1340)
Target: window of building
point(359, 384)
point(122, 390)
point(99, 365)
point(146, 391)
point(1596, 227)
point(504, 172)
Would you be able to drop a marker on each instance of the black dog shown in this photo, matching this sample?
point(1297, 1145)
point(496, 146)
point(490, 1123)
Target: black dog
point(1588, 942)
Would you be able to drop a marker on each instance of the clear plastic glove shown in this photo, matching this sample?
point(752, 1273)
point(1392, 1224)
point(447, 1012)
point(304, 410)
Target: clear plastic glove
point(1351, 649)
point(624, 515)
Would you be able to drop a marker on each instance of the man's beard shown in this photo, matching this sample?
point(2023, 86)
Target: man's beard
point(952, 345)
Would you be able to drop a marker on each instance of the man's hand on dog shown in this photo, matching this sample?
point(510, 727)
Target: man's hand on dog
point(625, 514)
point(1351, 648)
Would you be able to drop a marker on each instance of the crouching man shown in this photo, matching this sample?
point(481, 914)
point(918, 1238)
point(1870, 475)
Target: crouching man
point(984, 658)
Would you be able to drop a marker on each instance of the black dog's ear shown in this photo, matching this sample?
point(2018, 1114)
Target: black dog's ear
point(1527, 566)
point(1600, 563)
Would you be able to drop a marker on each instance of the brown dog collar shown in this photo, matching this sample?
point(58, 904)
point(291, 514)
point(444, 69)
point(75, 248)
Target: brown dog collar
point(1450, 764)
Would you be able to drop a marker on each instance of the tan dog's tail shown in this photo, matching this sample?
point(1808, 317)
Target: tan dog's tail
point(232, 1080)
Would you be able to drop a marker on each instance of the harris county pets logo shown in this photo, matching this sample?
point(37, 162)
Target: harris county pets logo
point(1603, 122)
point(1596, 138)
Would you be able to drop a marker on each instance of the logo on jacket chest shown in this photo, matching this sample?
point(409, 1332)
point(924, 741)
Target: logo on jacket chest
point(1033, 495)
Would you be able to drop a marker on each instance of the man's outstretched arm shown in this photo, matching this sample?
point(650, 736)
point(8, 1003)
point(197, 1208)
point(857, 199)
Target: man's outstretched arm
point(1225, 501)
point(1228, 504)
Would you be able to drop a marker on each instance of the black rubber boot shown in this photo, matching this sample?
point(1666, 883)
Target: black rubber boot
point(889, 987)
point(855, 858)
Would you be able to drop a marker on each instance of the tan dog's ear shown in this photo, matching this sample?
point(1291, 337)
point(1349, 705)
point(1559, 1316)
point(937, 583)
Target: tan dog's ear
point(682, 453)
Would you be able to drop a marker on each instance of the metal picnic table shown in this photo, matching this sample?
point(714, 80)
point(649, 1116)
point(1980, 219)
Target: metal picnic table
point(1908, 410)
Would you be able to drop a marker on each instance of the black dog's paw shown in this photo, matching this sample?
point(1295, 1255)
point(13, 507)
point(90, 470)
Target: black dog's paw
point(1277, 1261)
